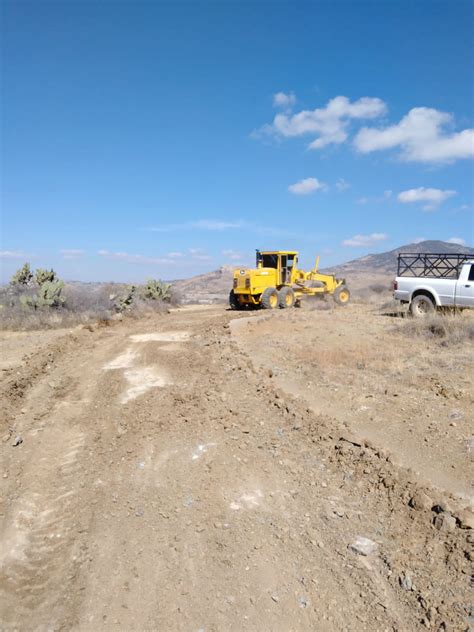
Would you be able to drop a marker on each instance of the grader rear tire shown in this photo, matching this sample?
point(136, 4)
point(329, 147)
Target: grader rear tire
point(234, 301)
point(342, 296)
point(269, 299)
point(286, 297)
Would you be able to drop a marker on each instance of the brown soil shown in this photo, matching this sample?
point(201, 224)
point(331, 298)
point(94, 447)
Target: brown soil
point(177, 473)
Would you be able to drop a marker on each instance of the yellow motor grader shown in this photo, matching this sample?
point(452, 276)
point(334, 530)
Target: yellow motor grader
point(277, 282)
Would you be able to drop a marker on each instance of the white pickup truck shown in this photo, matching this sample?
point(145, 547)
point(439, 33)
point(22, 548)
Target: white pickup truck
point(430, 281)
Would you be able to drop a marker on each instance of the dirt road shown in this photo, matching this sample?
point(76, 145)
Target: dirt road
point(155, 477)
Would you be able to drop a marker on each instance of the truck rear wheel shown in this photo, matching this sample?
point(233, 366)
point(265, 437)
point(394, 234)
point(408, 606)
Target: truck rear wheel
point(286, 297)
point(269, 299)
point(234, 301)
point(421, 306)
point(342, 296)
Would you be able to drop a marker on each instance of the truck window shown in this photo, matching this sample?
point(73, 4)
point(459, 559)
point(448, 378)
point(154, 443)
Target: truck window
point(471, 273)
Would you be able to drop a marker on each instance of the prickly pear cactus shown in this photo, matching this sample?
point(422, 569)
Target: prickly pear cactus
point(155, 289)
point(23, 276)
point(125, 301)
point(48, 295)
point(41, 276)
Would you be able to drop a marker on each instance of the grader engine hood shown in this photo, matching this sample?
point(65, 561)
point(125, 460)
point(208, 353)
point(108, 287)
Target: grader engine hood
point(254, 280)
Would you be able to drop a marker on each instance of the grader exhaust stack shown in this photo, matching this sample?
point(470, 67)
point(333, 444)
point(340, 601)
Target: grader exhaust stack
point(277, 282)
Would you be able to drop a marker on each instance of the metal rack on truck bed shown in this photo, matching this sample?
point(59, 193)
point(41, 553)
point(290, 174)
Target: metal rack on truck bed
point(435, 266)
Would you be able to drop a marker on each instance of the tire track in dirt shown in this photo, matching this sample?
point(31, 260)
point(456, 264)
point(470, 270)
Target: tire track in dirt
point(47, 497)
point(35, 545)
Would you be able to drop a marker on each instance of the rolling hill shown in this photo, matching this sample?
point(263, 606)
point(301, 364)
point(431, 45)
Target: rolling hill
point(386, 262)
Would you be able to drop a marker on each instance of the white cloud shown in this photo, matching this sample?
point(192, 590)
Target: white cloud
point(360, 241)
point(362, 200)
point(328, 124)
point(387, 194)
point(14, 254)
point(418, 240)
point(457, 240)
point(306, 186)
point(421, 137)
point(283, 100)
point(433, 197)
point(140, 259)
point(71, 253)
point(175, 255)
point(342, 185)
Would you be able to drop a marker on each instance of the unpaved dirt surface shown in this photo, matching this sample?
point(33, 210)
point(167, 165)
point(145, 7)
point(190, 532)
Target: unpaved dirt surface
point(159, 475)
point(412, 396)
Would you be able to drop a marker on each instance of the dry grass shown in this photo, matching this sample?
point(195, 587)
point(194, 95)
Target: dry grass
point(85, 303)
point(446, 329)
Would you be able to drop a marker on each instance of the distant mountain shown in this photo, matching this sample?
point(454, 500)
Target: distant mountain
point(381, 267)
point(386, 262)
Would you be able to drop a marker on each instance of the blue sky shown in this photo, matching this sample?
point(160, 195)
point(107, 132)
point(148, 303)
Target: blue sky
point(165, 139)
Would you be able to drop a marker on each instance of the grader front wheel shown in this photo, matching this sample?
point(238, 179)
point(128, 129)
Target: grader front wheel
point(342, 296)
point(269, 298)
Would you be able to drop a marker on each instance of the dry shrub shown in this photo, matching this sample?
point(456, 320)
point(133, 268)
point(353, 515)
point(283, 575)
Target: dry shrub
point(84, 303)
point(141, 307)
point(446, 329)
point(93, 298)
point(20, 318)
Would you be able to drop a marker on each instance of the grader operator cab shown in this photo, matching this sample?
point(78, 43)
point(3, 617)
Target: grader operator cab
point(277, 282)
